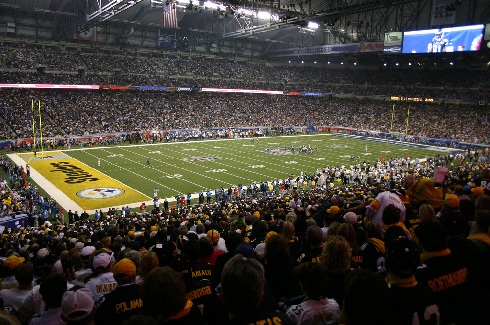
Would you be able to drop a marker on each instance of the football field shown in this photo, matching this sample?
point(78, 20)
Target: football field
point(102, 177)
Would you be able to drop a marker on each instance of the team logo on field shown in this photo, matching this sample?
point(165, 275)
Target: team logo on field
point(278, 151)
point(337, 146)
point(100, 192)
point(200, 159)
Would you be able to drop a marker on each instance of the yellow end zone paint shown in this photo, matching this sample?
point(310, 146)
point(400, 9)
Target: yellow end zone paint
point(89, 188)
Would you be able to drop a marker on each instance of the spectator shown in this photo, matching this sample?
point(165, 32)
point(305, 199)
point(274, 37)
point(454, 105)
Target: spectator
point(278, 266)
point(314, 245)
point(24, 275)
point(412, 300)
point(149, 261)
point(52, 290)
point(243, 282)
point(439, 264)
point(123, 302)
point(10, 265)
point(373, 250)
point(361, 286)
point(164, 298)
point(336, 259)
point(77, 307)
point(315, 308)
point(102, 281)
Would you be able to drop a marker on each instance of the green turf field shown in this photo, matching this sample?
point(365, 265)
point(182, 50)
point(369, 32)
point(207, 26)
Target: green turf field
point(182, 167)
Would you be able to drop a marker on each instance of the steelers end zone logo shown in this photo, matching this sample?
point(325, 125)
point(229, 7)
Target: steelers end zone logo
point(100, 193)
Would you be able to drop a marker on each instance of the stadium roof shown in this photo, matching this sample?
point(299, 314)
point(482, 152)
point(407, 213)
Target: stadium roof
point(251, 26)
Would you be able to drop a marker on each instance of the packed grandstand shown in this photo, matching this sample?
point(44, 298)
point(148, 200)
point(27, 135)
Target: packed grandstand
point(411, 228)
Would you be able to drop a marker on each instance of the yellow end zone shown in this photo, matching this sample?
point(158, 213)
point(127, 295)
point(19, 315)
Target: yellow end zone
point(86, 186)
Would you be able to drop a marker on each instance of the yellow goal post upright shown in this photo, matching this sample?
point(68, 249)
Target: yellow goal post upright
point(40, 128)
point(392, 117)
point(407, 119)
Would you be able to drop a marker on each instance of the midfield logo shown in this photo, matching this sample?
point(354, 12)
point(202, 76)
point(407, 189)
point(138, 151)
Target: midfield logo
point(278, 151)
point(337, 146)
point(200, 159)
point(100, 193)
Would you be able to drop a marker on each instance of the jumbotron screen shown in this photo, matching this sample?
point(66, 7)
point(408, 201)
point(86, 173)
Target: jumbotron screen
point(451, 39)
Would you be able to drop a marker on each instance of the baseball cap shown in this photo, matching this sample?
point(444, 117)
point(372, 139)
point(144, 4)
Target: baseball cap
point(350, 217)
point(246, 250)
point(477, 191)
point(260, 250)
point(213, 235)
point(101, 260)
point(334, 210)
point(125, 267)
point(269, 235)
point(58, 267)
point(402, 257)
point(87, 250)
point(13, 261)
point(452, 201)
point(76, 305)
point(62, 265)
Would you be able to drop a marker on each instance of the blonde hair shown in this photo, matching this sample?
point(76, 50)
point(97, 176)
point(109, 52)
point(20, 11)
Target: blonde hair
point(427, 213)
point(288, 230)
point(148, 262)
point(347, 231)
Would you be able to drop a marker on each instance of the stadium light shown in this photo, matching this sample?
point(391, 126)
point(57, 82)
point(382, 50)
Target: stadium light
point(267, 16)
point(212, 5)
point(313, 25)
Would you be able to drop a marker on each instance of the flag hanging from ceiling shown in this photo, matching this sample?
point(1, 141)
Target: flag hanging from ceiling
point(169, 14)
point(443, 13)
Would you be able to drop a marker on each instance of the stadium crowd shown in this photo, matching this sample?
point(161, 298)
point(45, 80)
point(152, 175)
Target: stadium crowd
point(72, 113)
point(68, 114)
point(62, 66)
point(396, 242)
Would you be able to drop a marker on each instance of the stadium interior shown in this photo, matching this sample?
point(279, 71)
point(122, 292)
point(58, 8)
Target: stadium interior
point(144, 144)
point(269, 31)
